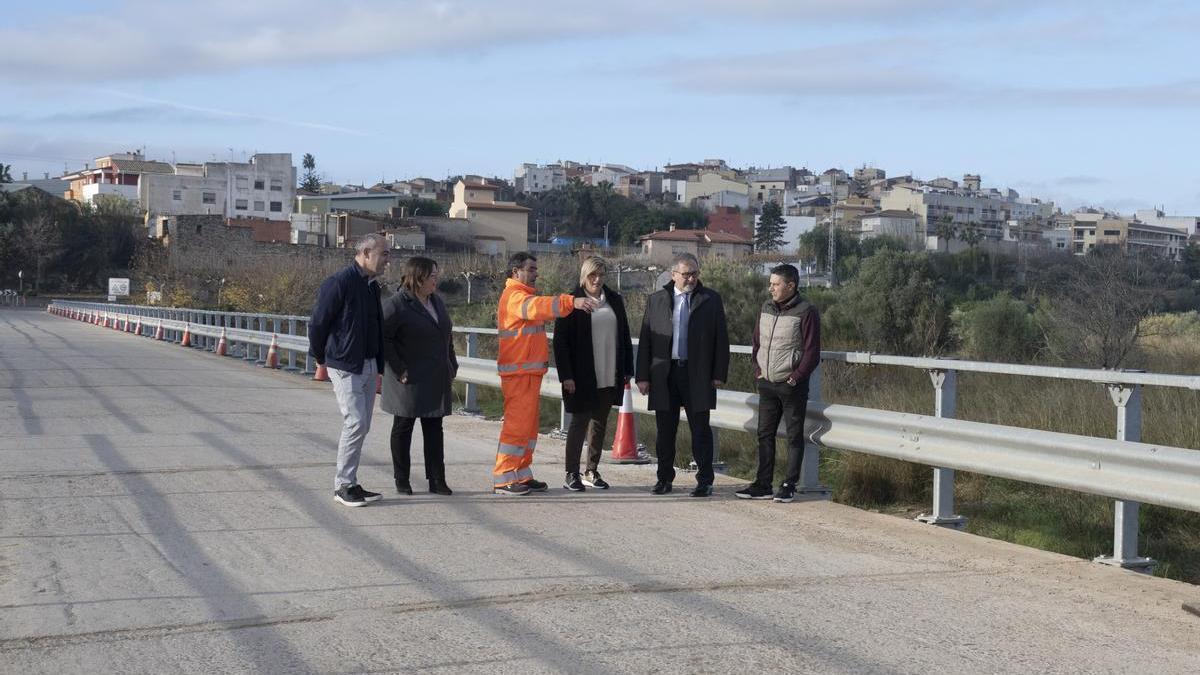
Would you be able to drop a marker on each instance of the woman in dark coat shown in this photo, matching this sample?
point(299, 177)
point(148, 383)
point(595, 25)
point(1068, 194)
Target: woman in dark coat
point(594, 356)
point(419, 364)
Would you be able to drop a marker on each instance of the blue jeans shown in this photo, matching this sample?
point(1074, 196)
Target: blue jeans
point(356, 399)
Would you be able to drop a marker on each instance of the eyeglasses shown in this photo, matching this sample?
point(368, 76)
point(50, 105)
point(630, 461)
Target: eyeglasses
point(689, 273)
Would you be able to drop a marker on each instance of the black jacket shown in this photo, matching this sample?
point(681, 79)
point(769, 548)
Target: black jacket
point(573, 353)
point(337, 332)
point(708, 347)
point(415, 346)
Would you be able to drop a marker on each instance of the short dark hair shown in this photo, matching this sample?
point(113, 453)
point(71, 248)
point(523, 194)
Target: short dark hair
point(789, 273)
point(518, 259)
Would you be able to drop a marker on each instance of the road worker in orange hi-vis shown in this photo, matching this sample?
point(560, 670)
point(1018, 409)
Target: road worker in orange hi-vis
point(524, 358)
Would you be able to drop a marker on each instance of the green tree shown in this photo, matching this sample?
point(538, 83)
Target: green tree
point(768, 236)
point(894, 305)
point(310, 182)
point(580, 208)
point(1191, 261)
point(6, 173)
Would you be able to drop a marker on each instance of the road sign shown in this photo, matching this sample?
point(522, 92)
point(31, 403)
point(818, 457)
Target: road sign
point(118, 287)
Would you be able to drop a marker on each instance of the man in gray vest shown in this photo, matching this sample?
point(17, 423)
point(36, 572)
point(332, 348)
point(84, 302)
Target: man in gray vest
point(786, 350)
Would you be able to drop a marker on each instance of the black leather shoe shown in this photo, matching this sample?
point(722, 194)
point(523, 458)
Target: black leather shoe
point(660, 488)
point(702, 491)
point(403, 487)
point(438, 487)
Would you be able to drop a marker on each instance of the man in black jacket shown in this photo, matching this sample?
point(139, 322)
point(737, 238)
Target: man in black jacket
point(683, 356)
point(346, 336)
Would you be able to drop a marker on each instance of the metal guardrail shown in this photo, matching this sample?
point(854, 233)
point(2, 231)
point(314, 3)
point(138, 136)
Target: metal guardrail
point(1123, 469)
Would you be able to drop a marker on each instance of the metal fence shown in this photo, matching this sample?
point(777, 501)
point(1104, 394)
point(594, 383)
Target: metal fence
point(1123, 468)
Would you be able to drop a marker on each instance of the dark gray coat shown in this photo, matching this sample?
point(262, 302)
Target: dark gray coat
point(415, 346)
point(708, 347)
point(574, 359)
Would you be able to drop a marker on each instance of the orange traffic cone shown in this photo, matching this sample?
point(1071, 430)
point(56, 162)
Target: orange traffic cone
point(137, 329)
point(273, 353)
point(322, 373)
point(128, 325)
point(186, 341)
point(158, 332)
point(625, 448)
point(222, 347)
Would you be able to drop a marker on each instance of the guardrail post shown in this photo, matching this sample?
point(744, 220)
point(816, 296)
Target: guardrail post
point(945, 402)
point(247, 348)
point(291, 366)
point(471, 402)
point(810, 466)
point(1128, 399)
point(564, 421)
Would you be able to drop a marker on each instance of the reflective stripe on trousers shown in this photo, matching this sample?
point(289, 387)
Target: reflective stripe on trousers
point(518, 433)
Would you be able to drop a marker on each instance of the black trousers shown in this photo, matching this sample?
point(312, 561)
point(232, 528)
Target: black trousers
point(431, 434)
point(593, 423)
point(668, 424)
point(779, 401)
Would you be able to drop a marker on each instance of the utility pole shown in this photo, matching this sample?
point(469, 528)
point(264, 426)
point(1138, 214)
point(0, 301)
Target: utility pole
point(832, 254)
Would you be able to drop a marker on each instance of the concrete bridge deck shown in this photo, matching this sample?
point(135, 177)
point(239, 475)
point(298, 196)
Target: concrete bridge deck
point(166, 510)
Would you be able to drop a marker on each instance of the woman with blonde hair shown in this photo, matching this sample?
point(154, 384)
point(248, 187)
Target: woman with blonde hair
point(594, 356)
point(419, 364)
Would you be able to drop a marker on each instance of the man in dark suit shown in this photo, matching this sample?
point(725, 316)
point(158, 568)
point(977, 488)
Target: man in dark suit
point(683, 356)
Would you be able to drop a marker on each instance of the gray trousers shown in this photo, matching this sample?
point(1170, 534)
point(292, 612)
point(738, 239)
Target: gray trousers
point(356, 399)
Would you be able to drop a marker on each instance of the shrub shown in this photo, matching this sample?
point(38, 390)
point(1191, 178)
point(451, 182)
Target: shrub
point(1000, 329)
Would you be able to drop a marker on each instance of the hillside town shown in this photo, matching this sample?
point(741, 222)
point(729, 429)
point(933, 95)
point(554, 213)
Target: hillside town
point(707, 208)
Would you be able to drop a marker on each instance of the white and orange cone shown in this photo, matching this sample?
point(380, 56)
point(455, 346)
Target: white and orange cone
point(186, 341)
point(625, 449)
point(222, 346)
point(273, 353)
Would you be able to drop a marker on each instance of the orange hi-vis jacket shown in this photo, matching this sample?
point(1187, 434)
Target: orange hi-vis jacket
point(521, 321)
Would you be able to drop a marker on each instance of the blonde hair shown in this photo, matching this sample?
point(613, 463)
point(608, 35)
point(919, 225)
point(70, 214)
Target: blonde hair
point(593, 263)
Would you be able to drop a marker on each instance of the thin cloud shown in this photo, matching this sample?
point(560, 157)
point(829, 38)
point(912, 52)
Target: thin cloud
point(220, 114)
point(154, 39)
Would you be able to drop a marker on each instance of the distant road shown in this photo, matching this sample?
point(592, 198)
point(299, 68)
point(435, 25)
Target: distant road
point(166, 510)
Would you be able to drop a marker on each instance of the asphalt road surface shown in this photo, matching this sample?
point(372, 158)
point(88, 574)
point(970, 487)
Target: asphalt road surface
point(166, 510)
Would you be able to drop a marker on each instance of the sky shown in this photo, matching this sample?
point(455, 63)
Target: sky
point(1083, 103)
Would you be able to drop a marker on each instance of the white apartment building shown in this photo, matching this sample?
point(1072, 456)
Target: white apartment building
point(933, 205)
point(1189, 225)
point(611, 173)
point(264, 187)
point(534, 179)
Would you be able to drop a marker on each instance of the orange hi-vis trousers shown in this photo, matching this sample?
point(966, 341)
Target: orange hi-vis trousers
point(519, 432)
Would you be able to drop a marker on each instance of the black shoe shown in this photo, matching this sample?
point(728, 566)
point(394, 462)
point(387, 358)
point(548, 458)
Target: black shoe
point(439, 487)
point(344, 495)
point(702, 491)
point(593, 479)
point(573, 482)
point(660, 488)
point(787, 492)
point(367, 495)
point(513, 490)
point(535, 485)
point(754, 491)
point(403, 487)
